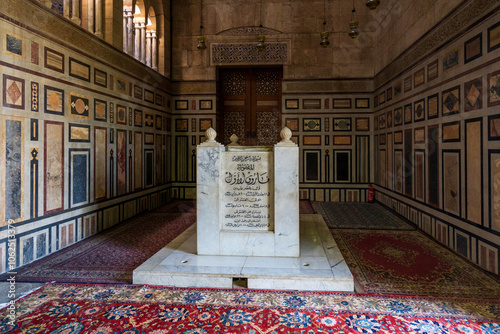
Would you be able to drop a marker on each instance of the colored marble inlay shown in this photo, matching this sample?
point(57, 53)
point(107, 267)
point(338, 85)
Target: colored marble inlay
point(35, 53)
point(34, 96)
point(451, 177)
point(137, 160)
point(474, 171)
point(100, 181)
point(27, 250)
point(41, 245)
point(495, 191)
point(13, 92)
point(79, 175)
point(79, 106)
point(13, 169)
point(494, 89)
point(451, 101)
point(13, 45)
point(121, 160)
point(54, 166)
point(54, 101)
point(473, 95)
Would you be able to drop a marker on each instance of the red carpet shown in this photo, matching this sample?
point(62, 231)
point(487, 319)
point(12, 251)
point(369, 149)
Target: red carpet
point(408, 262)
point(305, 207)
point(127, 309)
point(112, 255)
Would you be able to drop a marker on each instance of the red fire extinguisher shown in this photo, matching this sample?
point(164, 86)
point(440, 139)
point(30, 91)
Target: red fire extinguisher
point(371, 193)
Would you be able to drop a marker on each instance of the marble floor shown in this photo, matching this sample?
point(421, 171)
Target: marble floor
point(320, 265)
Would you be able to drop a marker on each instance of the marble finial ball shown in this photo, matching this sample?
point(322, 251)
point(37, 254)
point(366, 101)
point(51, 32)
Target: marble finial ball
point(210, 134)
point(286, 134)
point(233, 138)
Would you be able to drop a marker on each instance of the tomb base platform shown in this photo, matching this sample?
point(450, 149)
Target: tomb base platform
point(320, 266)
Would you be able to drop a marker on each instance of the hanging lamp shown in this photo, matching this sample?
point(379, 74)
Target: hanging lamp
point(324, 34)
point(354, 24)
point(201, 39)
point(372, 4)
point(261, 45)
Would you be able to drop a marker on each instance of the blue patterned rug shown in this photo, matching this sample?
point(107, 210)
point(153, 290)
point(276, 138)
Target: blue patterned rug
point(360, 215)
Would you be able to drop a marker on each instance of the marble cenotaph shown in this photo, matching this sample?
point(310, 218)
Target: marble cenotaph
point(249, 228)
point(248, 198)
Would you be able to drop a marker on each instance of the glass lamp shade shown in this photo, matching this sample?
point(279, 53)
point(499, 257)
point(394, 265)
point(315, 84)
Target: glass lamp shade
point(372, 4)
point(324, 39)
point(354, 29)
point(201, 43)
point(260, 42)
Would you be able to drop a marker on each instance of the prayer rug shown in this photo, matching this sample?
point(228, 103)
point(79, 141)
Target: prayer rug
point(360, 215)
point(409, 262)
point(120, 309)
point(112, 255)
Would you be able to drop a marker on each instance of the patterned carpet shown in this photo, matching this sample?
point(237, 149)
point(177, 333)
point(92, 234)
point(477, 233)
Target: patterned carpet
point(112, 255)
point(409, 262)
point(120, 309)
point(360, 216)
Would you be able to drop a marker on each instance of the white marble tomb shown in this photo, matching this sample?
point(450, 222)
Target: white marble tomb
point(248, 227)
point(248, 198)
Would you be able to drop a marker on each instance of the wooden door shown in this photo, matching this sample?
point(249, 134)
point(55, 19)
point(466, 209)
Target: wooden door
point(250, 105)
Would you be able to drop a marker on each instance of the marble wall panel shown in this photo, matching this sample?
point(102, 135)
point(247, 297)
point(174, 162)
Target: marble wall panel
point(158, 160)
point(137, 160)
point(100, 163)
point(451, 182)
point(79, 181)
point(474, 168)
point(148, 168)
point(494, 178)
point(362, 159)
point(181, 155)
point(14, 153)
point(121, 162)
point(419, 168)
point(54, 167)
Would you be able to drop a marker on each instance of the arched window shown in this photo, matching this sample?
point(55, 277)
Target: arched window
point(139, 32)
point(151, 40)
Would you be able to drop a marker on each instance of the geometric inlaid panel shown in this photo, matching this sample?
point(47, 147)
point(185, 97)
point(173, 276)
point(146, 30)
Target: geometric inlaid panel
point(473, 95)
point(13, 92)
point(451, 101)
point(267, 82)
point(247, 54)
point(267, 127)
point(233, 83)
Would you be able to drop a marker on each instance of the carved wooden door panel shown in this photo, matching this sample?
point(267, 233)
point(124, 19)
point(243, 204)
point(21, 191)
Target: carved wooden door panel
point(250, 105)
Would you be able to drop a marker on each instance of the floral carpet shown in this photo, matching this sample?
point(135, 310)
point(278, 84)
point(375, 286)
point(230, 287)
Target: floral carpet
point(409, 262)
point(112, 255)
point(120, 309)
point(360, 215)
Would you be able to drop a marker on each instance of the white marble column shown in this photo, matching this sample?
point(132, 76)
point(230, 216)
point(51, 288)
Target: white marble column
point(125, 37)
point(143, 42)
point(130, 33)
point(90, 16)
point(154, 51)
point(66, 8)
point(148, 48)
point(75, 15)
point(98, 18)
point(137, 44)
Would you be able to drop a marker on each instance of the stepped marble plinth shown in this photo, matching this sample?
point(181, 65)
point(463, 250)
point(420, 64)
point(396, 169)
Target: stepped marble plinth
point(320, 266)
